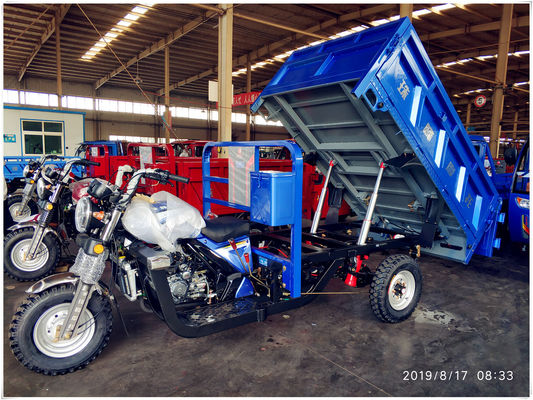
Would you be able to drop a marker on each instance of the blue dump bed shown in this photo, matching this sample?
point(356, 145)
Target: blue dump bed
point(373, 96)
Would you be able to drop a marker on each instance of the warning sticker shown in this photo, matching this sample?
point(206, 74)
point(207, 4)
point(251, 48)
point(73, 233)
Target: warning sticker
point(428, 131)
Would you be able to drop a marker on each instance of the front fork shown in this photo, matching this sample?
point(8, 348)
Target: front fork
point(44, 221)
point(24, 202)
point(89, 266)
point(79, 302)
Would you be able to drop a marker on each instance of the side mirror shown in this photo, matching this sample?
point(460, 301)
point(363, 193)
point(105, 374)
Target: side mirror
point(510, 155)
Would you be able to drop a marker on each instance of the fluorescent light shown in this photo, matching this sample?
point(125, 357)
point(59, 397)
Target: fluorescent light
point(519, 53)
point(379, 22)
point(100, 44)
point(139, 10)
point(442, 7)
point(423, 11)
point(110, 35)
point(520, 83)
point(316, 43)
point(131, 17)
point(394, 18)
point(123, 23)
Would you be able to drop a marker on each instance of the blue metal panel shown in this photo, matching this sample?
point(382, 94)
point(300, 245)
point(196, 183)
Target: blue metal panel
point(372, 96)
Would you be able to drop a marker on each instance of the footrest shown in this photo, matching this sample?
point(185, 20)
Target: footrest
point(218, 312)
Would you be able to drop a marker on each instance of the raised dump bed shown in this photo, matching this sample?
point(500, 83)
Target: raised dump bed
point(373, 96)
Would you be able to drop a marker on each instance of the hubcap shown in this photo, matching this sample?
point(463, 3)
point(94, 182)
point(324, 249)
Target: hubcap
point(21, 261)
point(47, 328)
point(24, 213)
point(401, 290)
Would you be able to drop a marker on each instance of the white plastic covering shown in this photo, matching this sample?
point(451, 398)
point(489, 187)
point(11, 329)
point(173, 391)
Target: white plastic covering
point(162, 219)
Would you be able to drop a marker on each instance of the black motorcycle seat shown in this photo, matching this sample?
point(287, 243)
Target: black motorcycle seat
point(222, 229)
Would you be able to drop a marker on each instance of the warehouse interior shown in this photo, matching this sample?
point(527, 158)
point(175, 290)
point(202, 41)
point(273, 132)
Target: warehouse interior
point(146, 72)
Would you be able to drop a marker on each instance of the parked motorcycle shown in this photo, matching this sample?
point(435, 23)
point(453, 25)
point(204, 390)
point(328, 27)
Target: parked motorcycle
point(33, 247)
point(22, 205)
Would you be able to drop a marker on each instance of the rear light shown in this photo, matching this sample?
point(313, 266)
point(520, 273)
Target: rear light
point(522, 203)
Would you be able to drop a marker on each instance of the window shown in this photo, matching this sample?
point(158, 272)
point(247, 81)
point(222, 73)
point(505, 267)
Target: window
point(39, 136)
point(11, 96)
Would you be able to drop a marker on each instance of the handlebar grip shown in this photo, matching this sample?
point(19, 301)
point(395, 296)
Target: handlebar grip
point(87, 162)
point(178, 178)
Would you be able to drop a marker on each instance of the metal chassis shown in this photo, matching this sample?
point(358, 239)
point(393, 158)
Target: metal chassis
point(332, 246)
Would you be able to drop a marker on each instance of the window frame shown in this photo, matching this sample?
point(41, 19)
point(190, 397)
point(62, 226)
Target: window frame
point(42, 133)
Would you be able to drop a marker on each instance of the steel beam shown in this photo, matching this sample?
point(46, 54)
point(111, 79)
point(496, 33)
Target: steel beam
point(168, 116)
point(248, 90)
point(49, 30)
point(500, 78)
point(225, 93)
point(58, 59)
point(406, 10)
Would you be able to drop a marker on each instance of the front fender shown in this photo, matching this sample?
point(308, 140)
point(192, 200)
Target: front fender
point(51, 281)
point(61, 279)
point(34, 224)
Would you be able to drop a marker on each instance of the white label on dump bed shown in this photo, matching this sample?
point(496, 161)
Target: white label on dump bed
point(428, 131)
point(403, 89)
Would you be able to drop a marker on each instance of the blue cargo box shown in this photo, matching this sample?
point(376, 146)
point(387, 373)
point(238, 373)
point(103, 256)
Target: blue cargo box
point(14, 166)
point(375, 95)
point(270, 195)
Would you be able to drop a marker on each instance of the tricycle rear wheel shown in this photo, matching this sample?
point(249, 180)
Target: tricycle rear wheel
point(396, 288)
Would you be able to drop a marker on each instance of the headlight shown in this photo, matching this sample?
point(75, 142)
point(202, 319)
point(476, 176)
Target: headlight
point(42, 191)
point(522, 203)
point(83, 215)
point(26, 171)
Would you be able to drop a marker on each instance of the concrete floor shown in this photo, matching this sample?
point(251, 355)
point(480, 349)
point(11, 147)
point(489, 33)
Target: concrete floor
point(470, 318)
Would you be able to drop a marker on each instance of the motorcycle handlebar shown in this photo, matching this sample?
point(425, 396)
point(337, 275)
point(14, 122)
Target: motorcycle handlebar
point(178, 178)
point(87, 162)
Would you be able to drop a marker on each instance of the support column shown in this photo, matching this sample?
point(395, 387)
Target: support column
point(58, 61)
point(168, 115)
point(500, 78)
point(248, 90)
point(406, 10)
point(515, 125)
point(468, 112)
point(225, 66)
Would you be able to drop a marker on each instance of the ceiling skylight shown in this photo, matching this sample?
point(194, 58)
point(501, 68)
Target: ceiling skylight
point(133, 15)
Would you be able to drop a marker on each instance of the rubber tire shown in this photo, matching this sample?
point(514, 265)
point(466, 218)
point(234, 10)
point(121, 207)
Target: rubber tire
point(27, 314)
point(54, 251)
point(379, 288)
point(34, 209)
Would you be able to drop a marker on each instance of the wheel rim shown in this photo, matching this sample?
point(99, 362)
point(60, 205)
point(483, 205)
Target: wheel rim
point(401, 290)
point(18, 256)
point(49, 325)
point(14, 208)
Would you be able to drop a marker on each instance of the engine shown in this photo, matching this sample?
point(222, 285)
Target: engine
point(188, 285)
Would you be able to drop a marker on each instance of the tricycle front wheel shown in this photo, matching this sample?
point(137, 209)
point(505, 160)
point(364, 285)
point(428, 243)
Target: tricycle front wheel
point(34, 332)
point(396, 288)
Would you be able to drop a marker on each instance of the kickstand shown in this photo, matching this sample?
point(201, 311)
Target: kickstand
point(115, 302)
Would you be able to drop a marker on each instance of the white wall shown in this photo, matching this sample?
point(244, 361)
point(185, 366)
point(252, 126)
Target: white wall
point(73, 128)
